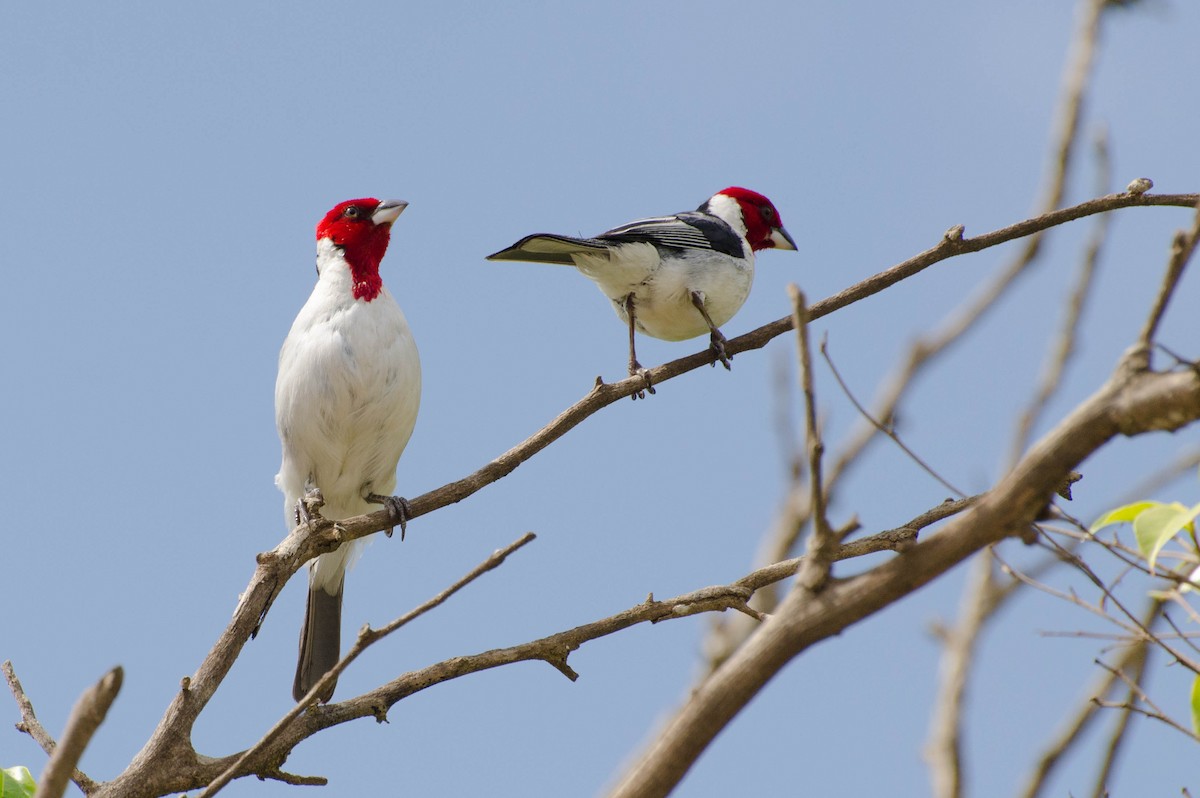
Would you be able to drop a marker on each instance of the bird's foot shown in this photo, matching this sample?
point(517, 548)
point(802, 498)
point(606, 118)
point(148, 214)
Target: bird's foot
point(636, 369)
point(309, 505)
point(716, 342)
point(399, 509)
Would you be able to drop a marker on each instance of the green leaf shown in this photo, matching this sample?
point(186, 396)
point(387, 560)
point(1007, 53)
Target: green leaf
point(1155, 526)
point(1196, 705)
point(16, 782)
point(1121, 515)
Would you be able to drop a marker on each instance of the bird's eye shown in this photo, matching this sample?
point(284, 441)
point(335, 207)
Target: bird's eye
point(352, 212)
point(768, 213)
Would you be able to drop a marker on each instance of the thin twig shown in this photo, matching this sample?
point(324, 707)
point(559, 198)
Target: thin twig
point(943, 751)
point(1086, 715)
point(1135, 627)
point(1120, 732)
point(33, 727)
point(886, 430)
point(1064, 348)
point(897, 539)
point(823, 542)
point(1182, 247)
point(1140, 695)
point(365, 638)
point(29, 721)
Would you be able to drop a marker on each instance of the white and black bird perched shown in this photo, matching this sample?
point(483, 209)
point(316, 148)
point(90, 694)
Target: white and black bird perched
point(672, 277)
point(346, 401)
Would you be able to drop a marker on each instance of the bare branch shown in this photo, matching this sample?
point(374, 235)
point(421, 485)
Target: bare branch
point(170, 742)
point(1064, 348)
point(1136, 661)
point(898, 539)
point(604, 394)
point(823, 542)
point(1132, 401)
point(29, 723)
point(1135, 656)
point(86, 716)
point(1140, 695)
point(944, 749)
point(265, 758)
point(1182, 248)
point(886, 430)
point(366, 637)
point(33, 727)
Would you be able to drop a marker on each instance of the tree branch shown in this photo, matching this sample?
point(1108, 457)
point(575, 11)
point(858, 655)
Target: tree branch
point(823, 542)
point(1084, 717)
point(169, 745)
point(33, 727)
point(1133, 401)
point(265, 758)
point(604, 394)
point(1182, 247)
point(86, 716)
point(366, 637)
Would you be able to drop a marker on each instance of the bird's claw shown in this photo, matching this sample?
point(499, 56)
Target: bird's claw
point(309, 506)
point(717, 345)
point(636, 369)
point(398, 508)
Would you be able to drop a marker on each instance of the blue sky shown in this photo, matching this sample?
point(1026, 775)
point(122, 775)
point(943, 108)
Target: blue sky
point(164, 166)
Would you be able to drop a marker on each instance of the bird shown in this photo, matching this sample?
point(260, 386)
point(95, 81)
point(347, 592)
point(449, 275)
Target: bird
point(346, 401)
point(671, 277)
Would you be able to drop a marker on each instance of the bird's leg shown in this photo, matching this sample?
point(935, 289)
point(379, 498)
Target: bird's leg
point(397, 506)
point(635, 368)
point(716, 339)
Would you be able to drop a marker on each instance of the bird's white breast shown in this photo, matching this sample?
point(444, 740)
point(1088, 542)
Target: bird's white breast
point(662, 288)
point(346, 398)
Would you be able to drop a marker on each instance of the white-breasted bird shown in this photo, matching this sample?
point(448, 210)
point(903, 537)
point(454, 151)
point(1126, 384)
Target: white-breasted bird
point(346, 401)
point(672, 277)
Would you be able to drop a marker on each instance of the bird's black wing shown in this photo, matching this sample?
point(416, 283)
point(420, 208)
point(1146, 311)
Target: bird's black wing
point(690, 230)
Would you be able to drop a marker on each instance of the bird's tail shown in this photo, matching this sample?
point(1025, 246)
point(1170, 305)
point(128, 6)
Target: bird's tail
point(320, 640)
point(550, 248)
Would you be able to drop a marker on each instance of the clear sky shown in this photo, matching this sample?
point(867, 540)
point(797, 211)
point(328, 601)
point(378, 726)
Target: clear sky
point(163, 168)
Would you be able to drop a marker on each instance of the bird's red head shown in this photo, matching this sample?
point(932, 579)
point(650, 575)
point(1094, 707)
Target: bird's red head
point(362, 229)
point(764, 228)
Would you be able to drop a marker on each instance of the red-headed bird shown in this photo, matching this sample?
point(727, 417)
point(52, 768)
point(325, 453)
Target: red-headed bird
point(346, 401)
point(672, 277)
